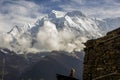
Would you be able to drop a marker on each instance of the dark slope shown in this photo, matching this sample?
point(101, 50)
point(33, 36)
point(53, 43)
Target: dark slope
point(13, 64)
point(43, 65)
point(47, 67)
point(102, 57)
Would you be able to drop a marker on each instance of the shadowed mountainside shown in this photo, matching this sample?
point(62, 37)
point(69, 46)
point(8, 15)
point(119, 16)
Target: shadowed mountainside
point(57, 63)
point(43, 65)
point(11, 65)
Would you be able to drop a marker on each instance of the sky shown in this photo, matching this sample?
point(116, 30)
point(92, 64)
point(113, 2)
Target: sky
point(21, 12)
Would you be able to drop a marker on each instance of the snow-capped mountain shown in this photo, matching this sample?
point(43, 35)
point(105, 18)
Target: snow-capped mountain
point(112, 23)
point(57, 31)
point(108, 24)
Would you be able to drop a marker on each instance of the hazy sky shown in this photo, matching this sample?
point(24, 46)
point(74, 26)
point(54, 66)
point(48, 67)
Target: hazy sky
point(19, 12)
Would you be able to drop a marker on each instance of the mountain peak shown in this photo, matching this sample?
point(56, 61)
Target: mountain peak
point(56, 14)
point(60, 14)
point(15, 30)
point(75, 13)
point(19, 29)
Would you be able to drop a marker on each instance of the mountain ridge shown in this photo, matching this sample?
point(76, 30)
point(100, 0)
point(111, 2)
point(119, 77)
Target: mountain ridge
point(57, 31)
point(65, 30)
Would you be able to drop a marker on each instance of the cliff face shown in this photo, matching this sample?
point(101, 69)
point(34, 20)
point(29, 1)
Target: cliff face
point(102, 57)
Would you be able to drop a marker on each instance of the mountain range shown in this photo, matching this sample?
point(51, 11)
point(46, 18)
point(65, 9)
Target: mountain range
point(57, 31)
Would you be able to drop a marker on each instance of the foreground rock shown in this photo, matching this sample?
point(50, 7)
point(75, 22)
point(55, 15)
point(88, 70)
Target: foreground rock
point(102, 58)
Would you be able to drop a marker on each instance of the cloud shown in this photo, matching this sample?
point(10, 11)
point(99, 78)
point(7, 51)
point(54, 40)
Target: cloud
point(95, 8)
point(18, 13)
point(48, 38)
point(55, 0)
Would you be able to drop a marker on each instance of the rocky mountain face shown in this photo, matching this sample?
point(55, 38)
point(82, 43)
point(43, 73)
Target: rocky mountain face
point(102, 57)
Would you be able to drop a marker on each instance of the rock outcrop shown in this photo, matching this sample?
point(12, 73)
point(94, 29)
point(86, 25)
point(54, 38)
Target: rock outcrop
point(102, 58)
